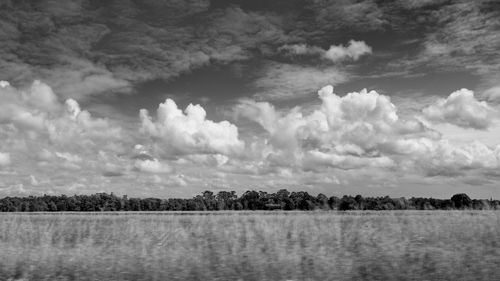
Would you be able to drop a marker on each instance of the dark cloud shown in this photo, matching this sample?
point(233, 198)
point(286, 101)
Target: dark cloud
point(86, 47)
point(283, 81)
point(112, 174)
point(146, 52)
point(348, 14)
point(464, 36)
point(44, 40)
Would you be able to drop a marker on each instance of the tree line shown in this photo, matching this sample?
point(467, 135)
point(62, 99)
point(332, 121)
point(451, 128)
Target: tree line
point(228, 200)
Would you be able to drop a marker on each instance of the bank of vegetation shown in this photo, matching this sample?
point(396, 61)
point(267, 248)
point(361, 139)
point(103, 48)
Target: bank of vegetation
point(228, 200)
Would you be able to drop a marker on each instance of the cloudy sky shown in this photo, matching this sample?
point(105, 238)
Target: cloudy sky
point(168, 98)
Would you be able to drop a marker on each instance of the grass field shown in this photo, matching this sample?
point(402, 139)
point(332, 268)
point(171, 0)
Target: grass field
point(411, 245)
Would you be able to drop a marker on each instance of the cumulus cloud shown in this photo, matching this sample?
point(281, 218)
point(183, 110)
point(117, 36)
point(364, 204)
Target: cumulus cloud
point(189, 132)
point(444, 158)
point(26, 109)
point(492, 94)
point(151, 166)
point(4, 159)
point(37, 109)
point(145, 162)
point(360, 130)
point(177, 180)
point(212, 160)
point(462, 109)
point(59, 138)
point(354, 50)
point(344, 134)
point(316, 160)
point(362, 119)
point(360, 124)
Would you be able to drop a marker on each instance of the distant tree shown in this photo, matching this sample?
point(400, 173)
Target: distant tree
point(360, 201)
point(303, 201)
point(481, 204)
point(209, 200)
point(282, 197)
point(461, 201)
point(282, 194)
point(52, 207)
point(228, 200)
point(238, 206)
point(348, 203)
point(135, 204)
point(225, 200)
point(251, 200)
point(124, 205)
point(446, 204)
point(388, 203)
point(334, 202)
point(322, 201)
point(288, 204)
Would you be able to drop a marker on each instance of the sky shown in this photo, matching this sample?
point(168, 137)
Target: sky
point(168, 98)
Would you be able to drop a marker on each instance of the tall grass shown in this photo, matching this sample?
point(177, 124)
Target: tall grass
point(251, 246)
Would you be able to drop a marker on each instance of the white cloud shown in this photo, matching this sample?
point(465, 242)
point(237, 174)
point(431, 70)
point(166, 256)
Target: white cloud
point(360, 130)
point(462, 109)
point(152, 166)
point(354, 50)
point(213, 160)
point(26, 109)
point(436, 49)
point(4, 159)
point(37, 109)
point(359, 125)
point(179, 133)
point(33, 180)
point(492, 94)
point(58, 138)
point(316, 160)
point(177, 180)
point(444, 158)
point(41, 95)
point(73, 108)
point(301, 49)
point(68, 157)
point(356, 122)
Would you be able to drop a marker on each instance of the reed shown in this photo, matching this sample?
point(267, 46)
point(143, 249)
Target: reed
point(408, 245)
